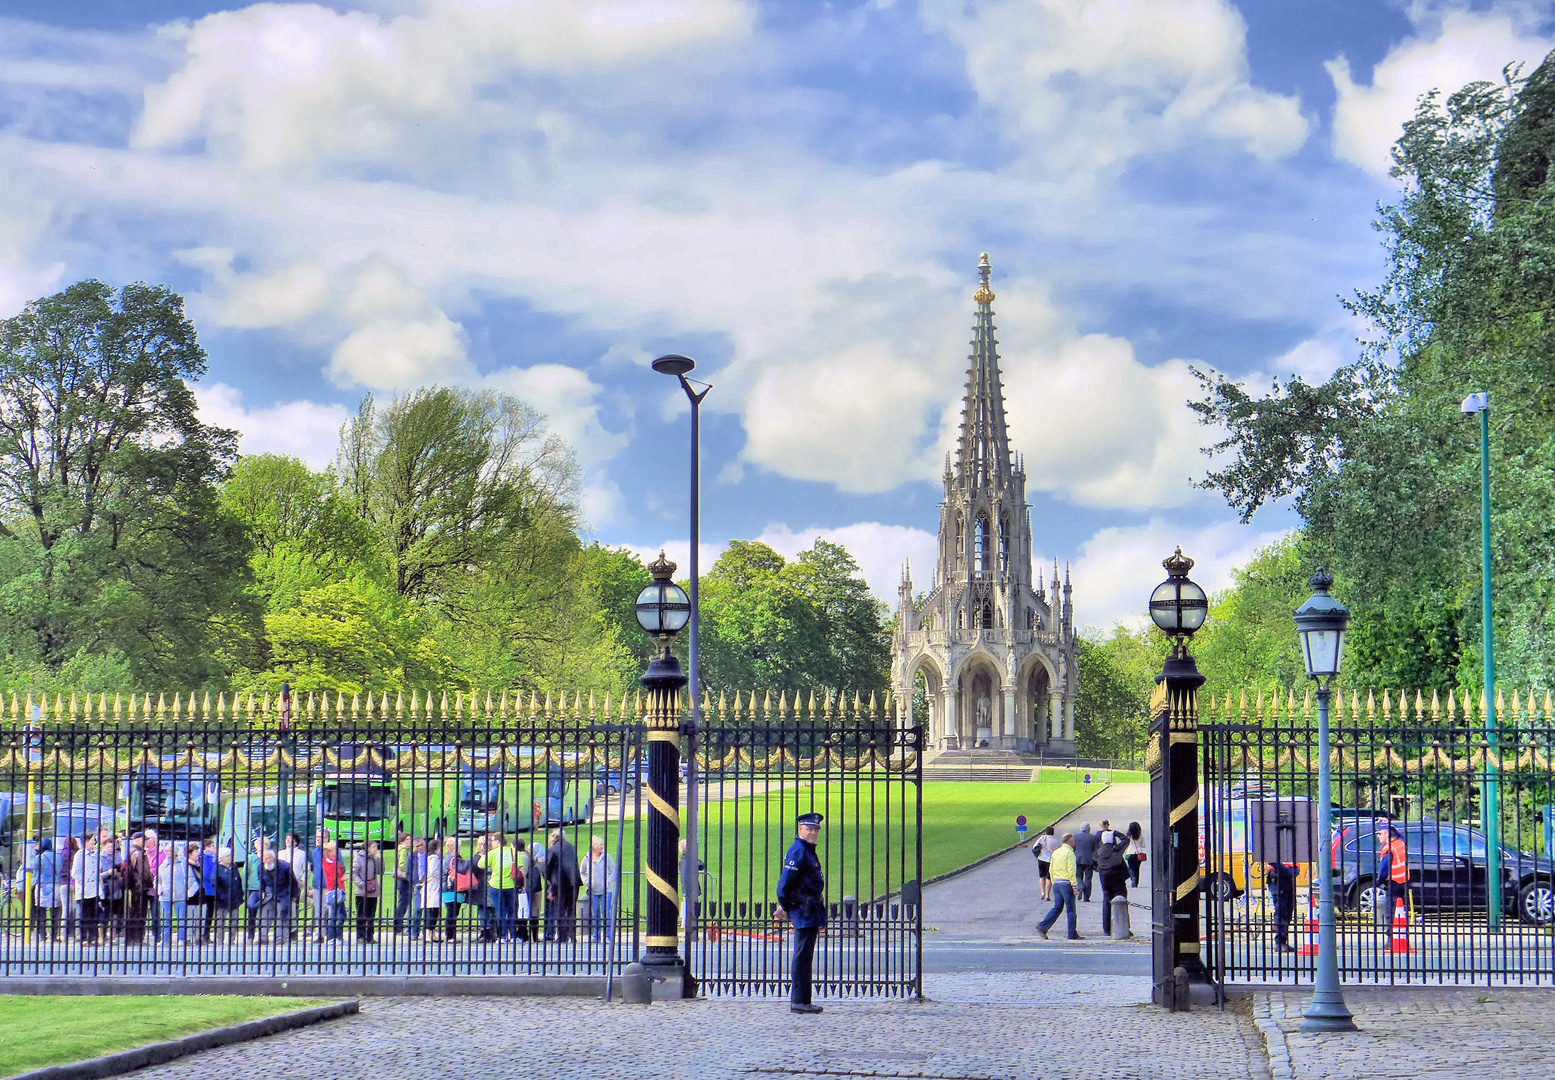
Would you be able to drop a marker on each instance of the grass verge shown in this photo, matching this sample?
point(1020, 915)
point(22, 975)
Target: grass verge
point(36, 1031)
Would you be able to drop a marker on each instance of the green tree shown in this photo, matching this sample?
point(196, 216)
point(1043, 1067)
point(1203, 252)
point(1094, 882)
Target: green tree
point(1379, 460)
point(113, 540)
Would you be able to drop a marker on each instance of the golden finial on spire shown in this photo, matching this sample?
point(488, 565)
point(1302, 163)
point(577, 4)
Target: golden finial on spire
point(983, 295)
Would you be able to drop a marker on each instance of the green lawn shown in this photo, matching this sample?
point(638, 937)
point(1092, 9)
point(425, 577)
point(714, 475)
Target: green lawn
point(869, 843)
point(39, 1031)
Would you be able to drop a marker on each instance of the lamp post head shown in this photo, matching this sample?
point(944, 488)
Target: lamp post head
point(1321, 622)
point(674, 364)
point(1178, 606)
point(663, 608)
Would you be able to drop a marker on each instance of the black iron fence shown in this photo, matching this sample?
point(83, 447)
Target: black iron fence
point(1396, 778)
point(865, 774)
point(478, 837)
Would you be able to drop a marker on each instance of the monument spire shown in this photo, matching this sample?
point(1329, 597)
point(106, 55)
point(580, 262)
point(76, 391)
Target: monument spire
point(983, 451)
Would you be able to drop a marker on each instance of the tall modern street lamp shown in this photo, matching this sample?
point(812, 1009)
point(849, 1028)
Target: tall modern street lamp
point(663, 609)
point(678, 366)
point(1178, 607)
point(1321, 622)
point(1491, 806)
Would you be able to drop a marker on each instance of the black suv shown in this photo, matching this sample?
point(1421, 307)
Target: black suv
point(1448, 870)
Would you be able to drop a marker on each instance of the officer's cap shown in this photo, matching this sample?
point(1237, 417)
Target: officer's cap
point(811, 819)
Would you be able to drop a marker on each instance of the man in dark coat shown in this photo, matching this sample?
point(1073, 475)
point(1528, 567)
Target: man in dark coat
point(562, 878)
point(801, 896)
point(1280, 879)
point(1085, 845)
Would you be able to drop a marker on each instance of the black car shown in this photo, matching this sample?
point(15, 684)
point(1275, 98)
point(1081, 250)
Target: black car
point(1449, 870)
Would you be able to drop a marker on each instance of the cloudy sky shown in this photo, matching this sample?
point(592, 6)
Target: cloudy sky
point(542, 195)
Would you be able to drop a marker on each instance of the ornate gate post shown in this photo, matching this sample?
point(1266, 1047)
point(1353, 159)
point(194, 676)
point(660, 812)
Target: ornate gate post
point(663, 609)
point(1178, 606)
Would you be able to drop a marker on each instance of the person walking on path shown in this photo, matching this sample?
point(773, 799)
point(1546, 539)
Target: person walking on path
point(1085, 845)
point(1113, 872)
point(801, 897)
point(1280, 880)
point(366, 884)
point(562, 881)
point(1136, 853)
point(1043, 850)
point(1065, 879)
point(602, 884)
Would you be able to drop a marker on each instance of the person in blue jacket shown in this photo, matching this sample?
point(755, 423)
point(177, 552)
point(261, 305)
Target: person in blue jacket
point(801, 896)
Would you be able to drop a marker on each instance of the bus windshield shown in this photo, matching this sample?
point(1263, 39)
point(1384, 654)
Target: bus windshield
point(480, 795)
point(357, 802)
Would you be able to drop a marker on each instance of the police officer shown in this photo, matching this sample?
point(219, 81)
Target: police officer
point(801, 896)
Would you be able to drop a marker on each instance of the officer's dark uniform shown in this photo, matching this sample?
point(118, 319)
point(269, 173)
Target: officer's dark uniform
point(1280, 880)
point(801, 891)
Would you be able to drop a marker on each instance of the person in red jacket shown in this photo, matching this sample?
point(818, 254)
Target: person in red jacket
point(1392, 871)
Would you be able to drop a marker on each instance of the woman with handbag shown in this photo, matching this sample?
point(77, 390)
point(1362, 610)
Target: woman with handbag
point(367, 884)
point(459, 886)
point(1136, 852)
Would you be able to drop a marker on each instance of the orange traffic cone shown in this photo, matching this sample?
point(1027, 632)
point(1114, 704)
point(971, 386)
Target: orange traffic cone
point(1309, 946)
point(1400, 928)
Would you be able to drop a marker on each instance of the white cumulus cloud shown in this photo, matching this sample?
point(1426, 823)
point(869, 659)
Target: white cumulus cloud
point(1119, 566)
point(1447, 51)
point(300, 429)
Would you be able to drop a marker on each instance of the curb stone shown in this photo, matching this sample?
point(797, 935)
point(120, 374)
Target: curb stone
point(160, 1053)
point(1278, 1050)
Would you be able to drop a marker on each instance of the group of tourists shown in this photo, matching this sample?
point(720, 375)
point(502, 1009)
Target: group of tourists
point(1068, 866)
point(137, 889)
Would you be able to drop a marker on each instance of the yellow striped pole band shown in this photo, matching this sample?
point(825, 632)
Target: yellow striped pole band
point(662, 805)
point(662, 887)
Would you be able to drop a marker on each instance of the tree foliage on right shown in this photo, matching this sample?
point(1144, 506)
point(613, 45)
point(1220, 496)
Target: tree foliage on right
point(1379, 460)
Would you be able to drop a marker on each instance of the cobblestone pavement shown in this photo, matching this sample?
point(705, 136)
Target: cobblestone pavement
point(1418, 1033)
point(976, 1027)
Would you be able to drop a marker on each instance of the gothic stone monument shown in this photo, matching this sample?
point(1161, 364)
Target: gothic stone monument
point(996, 648)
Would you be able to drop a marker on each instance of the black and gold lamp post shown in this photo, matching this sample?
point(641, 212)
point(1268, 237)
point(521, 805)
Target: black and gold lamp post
point(1178, 607)
point(663, 608)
